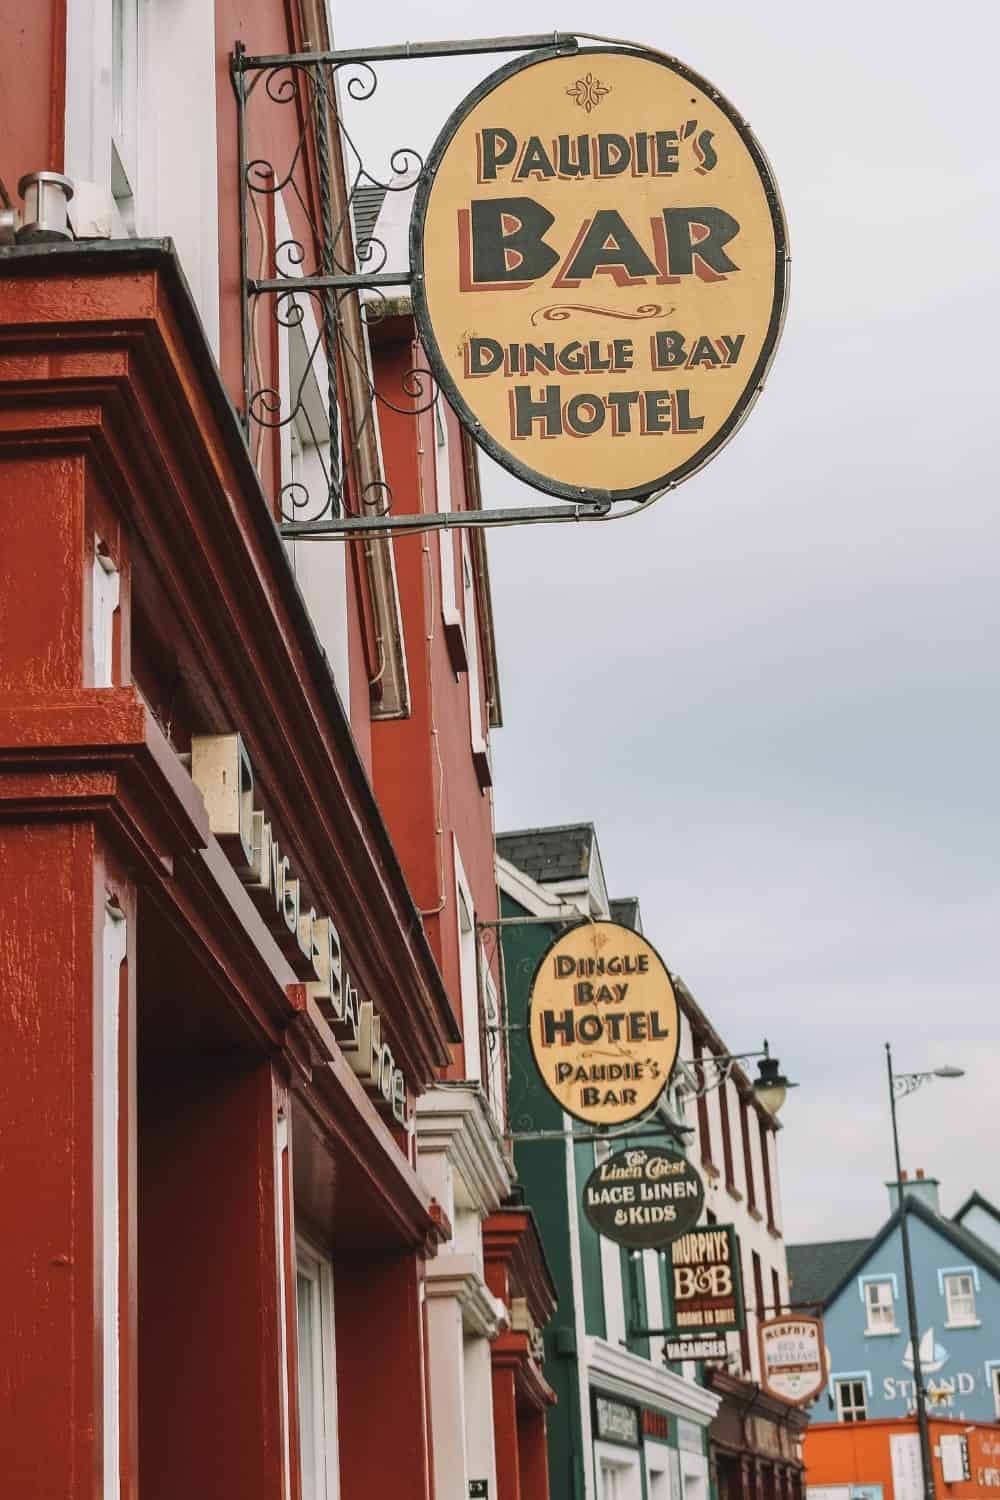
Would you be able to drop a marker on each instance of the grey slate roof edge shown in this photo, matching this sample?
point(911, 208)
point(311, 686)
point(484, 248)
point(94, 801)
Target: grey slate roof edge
point(624, 909)
point(534, 849)
point(964, 1239)
point(822, 1275)
point(521, 833)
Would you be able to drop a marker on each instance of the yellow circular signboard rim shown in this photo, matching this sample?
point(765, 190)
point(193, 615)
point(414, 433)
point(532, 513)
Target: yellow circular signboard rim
point(647, 993)
point(421, 252)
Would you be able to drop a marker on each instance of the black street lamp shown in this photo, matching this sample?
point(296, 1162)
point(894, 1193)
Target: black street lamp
point(770, 1087)
point(901, 1084)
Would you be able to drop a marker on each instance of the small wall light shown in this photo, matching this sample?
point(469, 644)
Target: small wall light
point(46, 196)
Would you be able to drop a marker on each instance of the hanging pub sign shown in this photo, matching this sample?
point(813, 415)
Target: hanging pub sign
point(643, 1197)
point(705, 1280)
point(793, 1358)
point(600, 268)
point(602, 1021)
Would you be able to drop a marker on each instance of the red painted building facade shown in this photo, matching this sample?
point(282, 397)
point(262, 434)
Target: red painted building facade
point(248, 1107)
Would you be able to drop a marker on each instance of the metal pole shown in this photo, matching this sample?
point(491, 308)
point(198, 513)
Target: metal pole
point(241, 136)
point(446, 520)
point(402, 52)
point(911, 1300)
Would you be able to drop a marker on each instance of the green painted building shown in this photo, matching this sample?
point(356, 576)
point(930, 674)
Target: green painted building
point(626, 1426)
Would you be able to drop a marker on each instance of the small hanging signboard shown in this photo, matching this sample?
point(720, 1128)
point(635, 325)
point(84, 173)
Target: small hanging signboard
point(599, 270)
point(603, 1023)
point(707, 1289)
point(696, 1346)
point(793, 1358)
point(643, 1197)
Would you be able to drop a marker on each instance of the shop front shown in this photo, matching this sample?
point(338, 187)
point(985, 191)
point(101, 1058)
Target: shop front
point(880, 1459)
point(755, 1442)
point(219, 1007)
point(518, 1275)
point(648, 1429)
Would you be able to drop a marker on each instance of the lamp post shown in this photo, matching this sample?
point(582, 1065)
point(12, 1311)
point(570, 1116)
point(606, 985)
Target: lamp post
point(901, 1084)
point(770, 1087)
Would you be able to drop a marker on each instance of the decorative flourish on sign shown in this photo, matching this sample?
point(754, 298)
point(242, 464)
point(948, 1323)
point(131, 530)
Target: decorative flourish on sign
point(560, 311)
point(588, 92)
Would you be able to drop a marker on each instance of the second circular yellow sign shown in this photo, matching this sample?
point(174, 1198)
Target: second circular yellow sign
point(603, 1023)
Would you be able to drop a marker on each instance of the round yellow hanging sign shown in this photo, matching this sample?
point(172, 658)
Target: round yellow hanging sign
point(600, 270)
point(603, 1023)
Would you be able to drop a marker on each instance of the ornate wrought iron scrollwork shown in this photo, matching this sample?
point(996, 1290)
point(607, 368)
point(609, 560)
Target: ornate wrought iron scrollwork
point(298, 273)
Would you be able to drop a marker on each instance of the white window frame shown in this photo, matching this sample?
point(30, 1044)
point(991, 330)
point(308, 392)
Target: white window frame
point(880, 1308)
point(618, 1471)
point(856, 1382)
point(993, 1381)
point(472, 647)
point(450, 611)
point(144, 171)
point(659, 1484)
point(105, 598)
point(953, 1298)
point(126, 70)
point(496, 1091)
point(467, 970)
point(315, 1269)
point(305, 447)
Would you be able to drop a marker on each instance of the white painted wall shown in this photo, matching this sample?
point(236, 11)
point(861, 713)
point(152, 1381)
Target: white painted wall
point(479, 1438)
point(753, 1232)
point(175, 187)
point(617, 1472)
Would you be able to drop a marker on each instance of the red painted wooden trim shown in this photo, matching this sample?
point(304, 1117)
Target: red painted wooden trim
point(101, 354)
point(515, 1262)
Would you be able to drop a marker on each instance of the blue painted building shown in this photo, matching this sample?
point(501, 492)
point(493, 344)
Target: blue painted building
point(859, 1287)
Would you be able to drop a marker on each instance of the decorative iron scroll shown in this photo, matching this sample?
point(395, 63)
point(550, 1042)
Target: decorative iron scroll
point(298, 228)
point(306, 254)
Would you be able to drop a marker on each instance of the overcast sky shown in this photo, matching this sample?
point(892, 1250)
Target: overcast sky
point(775, 693)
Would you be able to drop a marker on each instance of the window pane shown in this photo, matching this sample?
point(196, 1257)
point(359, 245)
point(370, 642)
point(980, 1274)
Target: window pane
point(851, 1400)
point(878, 1303)
point(961, 1298)
point(118, 62)
point(305, 1292)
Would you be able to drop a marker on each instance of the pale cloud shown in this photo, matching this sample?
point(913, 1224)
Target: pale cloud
point(775, 693)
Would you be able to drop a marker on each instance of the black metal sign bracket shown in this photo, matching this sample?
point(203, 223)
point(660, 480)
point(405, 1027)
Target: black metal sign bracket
point(318, 272)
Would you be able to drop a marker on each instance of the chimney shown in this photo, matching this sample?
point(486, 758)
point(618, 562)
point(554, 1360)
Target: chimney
point(919, 1186)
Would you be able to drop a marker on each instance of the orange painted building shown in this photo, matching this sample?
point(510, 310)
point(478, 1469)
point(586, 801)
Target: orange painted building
point(855, 1460)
